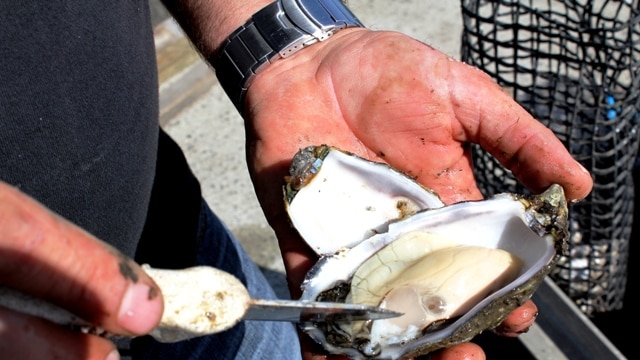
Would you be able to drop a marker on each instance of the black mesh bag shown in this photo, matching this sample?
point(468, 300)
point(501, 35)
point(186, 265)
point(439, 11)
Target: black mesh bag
point(574, 66)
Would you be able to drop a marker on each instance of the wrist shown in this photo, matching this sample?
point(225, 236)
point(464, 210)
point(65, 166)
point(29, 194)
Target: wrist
point(232, 17)
point(209, 22)
point(278, 30)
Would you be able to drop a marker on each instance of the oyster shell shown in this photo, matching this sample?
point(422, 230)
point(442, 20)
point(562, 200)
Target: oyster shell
point(367, 195)
point(428, 258)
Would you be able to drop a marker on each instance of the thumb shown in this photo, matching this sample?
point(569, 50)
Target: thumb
point(46, 256)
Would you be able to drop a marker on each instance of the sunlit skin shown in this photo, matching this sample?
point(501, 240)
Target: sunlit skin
point(389, 98)
point(48, 257)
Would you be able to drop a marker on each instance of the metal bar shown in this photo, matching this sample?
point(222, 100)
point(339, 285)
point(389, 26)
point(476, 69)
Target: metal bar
point(563, 331)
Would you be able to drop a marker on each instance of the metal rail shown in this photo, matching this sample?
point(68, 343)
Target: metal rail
point(562, 331)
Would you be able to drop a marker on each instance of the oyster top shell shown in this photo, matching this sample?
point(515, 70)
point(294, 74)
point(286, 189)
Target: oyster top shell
point(336, 199)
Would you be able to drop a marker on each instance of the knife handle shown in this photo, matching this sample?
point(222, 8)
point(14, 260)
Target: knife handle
point(197, 301)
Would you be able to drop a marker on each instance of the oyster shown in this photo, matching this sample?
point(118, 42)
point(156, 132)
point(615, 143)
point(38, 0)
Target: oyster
point(370, 195)
point(454, 270)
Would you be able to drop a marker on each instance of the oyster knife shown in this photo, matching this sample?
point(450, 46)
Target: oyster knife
point(311, 311)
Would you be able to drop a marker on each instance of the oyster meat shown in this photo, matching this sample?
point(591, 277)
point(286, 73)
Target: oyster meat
point(384, 240)
point(431, 279)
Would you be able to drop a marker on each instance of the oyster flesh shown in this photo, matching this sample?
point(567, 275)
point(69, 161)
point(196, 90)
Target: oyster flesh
point(454, 271)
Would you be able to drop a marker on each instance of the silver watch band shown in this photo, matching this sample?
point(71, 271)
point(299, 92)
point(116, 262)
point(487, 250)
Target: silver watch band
point(277, 31)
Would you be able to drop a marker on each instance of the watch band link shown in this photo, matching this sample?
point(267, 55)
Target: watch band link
point(277, 31)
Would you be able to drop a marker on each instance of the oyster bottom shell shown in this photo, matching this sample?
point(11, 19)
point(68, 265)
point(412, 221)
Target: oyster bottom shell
point(531, 228)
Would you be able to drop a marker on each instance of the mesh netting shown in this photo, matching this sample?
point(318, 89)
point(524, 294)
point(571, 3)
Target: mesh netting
point(574, 66)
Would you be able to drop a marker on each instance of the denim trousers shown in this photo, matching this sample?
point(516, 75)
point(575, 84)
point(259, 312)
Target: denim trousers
point(248, 339)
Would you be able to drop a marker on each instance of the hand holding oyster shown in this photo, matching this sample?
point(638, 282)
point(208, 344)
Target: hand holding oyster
point(386, 241)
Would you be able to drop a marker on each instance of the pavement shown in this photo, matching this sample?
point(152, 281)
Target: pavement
point(197, 114)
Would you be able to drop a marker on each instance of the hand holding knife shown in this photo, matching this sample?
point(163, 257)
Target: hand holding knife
point(204, 300)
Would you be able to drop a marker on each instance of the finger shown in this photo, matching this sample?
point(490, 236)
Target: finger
point(464, 351)
point(50, 258)
point(24, 337)
point(522, 144)
point(519, 321)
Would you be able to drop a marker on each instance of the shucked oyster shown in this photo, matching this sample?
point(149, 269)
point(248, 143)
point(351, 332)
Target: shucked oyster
point(454, 271)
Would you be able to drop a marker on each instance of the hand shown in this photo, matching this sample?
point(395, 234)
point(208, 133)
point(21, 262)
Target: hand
point(389, 98)
point(48, 257)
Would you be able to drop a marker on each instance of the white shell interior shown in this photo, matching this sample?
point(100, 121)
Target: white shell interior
point(343, 204)
point(500, 222)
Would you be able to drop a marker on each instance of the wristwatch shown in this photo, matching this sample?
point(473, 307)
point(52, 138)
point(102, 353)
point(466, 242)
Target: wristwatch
point(277, 31)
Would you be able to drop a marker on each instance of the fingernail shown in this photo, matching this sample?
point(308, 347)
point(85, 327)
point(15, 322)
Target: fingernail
point(141, 309)
point(515, 333)
point(584, 169)
point(114, 355)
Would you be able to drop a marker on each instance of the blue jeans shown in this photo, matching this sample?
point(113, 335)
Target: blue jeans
point(249, 339)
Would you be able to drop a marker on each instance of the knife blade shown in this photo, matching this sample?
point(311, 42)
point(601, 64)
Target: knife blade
point(312, 311)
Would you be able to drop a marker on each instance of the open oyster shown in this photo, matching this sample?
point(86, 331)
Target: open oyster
point(384, 240)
